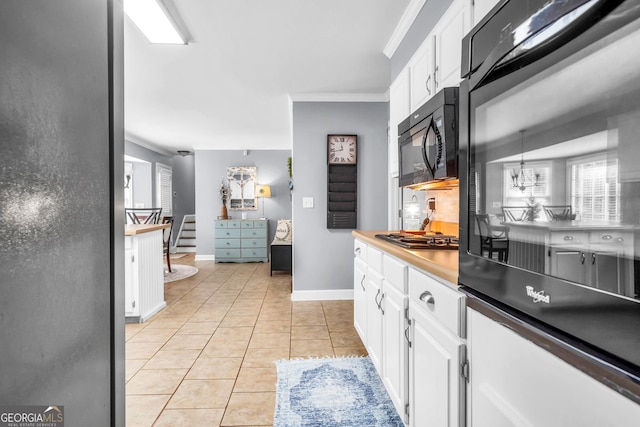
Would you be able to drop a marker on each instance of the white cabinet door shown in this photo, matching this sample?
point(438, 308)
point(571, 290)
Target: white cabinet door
point(360, 298)
point(436, 387)
point(514, 382)
point(421, 69)
point(395, 346)
point(130, 283)
point(399, 109)
point(452, 27)
point(481, 8)
point(374, 318)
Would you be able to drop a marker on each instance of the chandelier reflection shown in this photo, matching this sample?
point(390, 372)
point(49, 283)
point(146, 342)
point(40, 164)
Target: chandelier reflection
point(524, 178)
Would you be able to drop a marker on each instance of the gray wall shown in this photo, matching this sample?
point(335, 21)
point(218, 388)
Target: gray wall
point(184, 201)
point(421, 27)
point(323, 259)
point(211, 168)
point(61, 310)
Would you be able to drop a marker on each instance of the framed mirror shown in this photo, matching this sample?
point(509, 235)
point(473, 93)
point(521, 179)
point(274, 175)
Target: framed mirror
point(242, 187)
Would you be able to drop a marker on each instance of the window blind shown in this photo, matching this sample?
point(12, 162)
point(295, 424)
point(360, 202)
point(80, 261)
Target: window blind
point(595, 192)
point(164, 178)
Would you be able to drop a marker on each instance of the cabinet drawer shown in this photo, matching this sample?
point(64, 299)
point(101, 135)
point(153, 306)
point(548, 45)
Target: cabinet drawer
point(374, 259)
point(227, 253)
point(253, 232)
point(227, 243)
point(253, 243)
point(395, 272)
point(360, 250)
point(438, 300)
point(228, 224)
point(249, 223)
point(611, 236)
point(228, 233)
point(568, 237)
point(254, 253)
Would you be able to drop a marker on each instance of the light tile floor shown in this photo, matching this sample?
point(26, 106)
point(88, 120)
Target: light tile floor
point(208, 357)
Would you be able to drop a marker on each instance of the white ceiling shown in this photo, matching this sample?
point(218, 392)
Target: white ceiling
point(229, 88)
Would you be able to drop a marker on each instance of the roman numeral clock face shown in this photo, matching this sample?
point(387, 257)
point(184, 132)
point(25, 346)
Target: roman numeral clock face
point(342, 149)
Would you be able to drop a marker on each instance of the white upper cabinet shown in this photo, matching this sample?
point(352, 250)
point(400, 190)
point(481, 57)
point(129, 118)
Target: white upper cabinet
point(421, 68)
point(481, 8)
point(399, 109)
point(448, 34)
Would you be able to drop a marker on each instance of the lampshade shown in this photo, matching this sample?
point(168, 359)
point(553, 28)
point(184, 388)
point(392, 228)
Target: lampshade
point(263, 190)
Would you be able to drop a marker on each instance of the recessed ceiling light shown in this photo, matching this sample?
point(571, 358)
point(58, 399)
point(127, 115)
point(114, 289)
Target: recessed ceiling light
point(154, 21)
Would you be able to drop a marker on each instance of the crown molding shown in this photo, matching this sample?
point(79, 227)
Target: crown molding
point(339, 97)
point(149, 146)
point(409, 15)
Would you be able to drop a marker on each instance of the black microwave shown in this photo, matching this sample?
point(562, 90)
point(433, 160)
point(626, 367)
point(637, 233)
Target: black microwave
point(428, 141)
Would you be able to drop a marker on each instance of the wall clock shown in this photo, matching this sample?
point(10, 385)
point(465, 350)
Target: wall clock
point(342, 181)
point(342, 149)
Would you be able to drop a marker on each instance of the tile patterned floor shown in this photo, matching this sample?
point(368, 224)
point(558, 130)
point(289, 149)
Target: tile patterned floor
point(207, 358)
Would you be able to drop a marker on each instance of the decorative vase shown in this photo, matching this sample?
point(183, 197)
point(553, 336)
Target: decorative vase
point(223, 212)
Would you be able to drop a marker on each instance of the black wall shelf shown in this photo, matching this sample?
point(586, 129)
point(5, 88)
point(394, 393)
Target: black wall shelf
point(342, 196)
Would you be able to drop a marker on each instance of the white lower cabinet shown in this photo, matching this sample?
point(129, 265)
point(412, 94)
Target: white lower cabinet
point(515, 382)
point(437, 353)
point(360, 297)
point(415, 344)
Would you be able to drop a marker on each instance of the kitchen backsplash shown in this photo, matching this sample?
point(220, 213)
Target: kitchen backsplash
point(447, 204)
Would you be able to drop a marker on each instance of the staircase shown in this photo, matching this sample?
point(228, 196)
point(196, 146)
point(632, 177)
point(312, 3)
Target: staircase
point(186, 240)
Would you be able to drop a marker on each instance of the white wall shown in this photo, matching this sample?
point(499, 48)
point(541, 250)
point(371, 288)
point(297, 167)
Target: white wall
point(322, 258)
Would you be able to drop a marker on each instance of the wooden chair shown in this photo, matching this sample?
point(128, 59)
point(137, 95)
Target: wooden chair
point(493, 240)
point(166, 239)
point(559, 213)
point(143, 215)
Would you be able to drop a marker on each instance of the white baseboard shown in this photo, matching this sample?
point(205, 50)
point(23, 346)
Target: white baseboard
point(322, 295)
point(205, 257)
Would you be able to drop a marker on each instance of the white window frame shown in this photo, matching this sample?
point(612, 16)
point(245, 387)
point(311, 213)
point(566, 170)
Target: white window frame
point(610, 162)
point(164, 188)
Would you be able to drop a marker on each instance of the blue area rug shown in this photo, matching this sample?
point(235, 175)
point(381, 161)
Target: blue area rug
point(327, 392)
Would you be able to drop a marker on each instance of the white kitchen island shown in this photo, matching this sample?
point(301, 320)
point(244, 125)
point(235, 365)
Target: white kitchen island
point(144, 271)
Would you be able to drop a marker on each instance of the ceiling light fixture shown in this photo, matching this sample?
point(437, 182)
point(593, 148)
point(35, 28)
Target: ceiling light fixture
point(153, 19)
point(523, 179)
point(184, 153)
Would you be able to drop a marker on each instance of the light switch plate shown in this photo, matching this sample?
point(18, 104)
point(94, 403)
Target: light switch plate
point(307, 202)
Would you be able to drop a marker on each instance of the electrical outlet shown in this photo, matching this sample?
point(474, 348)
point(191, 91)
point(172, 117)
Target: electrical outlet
point(307, 202)
point(496, 205)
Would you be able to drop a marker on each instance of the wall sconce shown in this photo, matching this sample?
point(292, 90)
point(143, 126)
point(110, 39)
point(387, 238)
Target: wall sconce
point(263, 191)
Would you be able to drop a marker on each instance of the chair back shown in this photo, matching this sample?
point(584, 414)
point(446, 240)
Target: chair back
point(166, 235)
point(559, 213)
point(142, 215)
point(515, 213)
point(484, 226)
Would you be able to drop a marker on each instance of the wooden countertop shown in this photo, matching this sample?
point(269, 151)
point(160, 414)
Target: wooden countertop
point(441, 263)
point(133, 229)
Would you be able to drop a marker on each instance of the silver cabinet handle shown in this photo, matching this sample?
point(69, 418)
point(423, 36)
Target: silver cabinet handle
point(380, 305)
point(582, 257)
point(376, 298)
point(427, 298)
point(362, 283)
point(428, 84)
point(406, 335)
point(435, 77)
point(357, 251)
point(593, 259)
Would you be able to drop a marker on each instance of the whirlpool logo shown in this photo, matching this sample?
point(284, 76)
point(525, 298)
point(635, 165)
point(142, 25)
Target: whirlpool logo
point(538, 296)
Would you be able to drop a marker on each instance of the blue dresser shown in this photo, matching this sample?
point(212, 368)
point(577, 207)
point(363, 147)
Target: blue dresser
point(241, 240)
